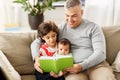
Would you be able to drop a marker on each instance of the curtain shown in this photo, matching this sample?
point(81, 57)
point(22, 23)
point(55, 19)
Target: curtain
point(102, 12)
point(12, 15)
point(117, 12)
point(6, 13)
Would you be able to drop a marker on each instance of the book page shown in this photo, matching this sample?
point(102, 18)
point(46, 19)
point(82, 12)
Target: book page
point(55, 63)
point(63, 63)
point(48, 65)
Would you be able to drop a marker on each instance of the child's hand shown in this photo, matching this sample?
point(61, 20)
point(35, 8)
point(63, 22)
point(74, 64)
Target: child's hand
point(37, 65)
point(60, 74)
point(53, 74)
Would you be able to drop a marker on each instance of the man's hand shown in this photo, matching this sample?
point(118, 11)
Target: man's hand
point(75, 69)
point(37, 65)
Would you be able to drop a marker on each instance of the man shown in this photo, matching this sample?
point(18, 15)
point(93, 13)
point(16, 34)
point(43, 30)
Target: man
point(87, 46)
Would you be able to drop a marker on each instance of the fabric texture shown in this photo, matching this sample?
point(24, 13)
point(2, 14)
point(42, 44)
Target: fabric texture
point(112, 37)
point(16, 47)
point(116, 63)
point(8, 69)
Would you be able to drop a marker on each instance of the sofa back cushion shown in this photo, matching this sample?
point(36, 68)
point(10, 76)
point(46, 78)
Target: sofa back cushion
point(16, 47)
point(112, 36)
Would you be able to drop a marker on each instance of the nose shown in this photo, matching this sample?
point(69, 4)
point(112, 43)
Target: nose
point(69, 19)
point(51, 39)
point(63, 51)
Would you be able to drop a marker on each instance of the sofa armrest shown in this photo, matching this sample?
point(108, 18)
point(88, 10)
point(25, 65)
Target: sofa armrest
point(2, 76)
point(7, 69)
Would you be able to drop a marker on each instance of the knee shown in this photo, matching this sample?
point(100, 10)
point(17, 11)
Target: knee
point(97, 74)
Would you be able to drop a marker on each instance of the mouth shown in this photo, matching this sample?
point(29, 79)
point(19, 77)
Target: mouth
point(71, 23)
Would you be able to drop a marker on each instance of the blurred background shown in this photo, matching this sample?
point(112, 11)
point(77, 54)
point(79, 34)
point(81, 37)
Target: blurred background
point(102, 12)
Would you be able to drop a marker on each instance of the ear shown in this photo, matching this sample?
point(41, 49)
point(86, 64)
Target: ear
point(82, 12)
point(43, 38)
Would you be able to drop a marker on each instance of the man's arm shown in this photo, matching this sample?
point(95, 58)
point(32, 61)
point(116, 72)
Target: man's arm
point(99, 49)
point(35, 48)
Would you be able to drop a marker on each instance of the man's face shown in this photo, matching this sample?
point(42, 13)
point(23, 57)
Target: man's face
point(73, 16)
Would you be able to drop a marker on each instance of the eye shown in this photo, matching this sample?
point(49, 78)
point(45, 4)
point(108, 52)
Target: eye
point(66, 49)
point(54, 35)
point(47, 37)
point(67, 15)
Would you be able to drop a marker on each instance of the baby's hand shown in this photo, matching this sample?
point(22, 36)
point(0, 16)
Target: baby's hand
point(53, 74)
point(60, 74)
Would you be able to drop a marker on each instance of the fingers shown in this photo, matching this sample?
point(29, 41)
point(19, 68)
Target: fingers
point(71, 70)
point(53, 74)
point(60, 74)
point(37, 67)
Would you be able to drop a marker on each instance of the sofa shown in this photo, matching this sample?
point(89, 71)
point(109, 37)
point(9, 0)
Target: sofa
point(16, 48)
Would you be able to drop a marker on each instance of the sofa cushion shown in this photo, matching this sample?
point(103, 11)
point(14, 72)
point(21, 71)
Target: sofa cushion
point(28, 77)
point(116, 63)
point(8, 69)
point(16, 47)
point(117, 75)
point(112, 36)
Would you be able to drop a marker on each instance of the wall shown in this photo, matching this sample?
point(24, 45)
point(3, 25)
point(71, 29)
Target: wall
point(56, 15)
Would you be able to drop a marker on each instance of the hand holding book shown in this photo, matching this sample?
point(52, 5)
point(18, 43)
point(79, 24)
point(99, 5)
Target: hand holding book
point(55, 63)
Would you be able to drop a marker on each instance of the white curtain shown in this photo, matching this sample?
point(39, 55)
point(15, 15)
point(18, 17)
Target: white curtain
point(102, 12)
point(12, 14)
point(117, 12)
point(6, 12)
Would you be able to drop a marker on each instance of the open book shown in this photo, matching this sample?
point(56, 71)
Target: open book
point(55, 63)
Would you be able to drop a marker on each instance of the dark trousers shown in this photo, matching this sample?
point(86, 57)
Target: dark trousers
point(46, 76)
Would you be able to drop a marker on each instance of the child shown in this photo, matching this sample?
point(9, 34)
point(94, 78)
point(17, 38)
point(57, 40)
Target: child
point(64, 46)
point(48, 32)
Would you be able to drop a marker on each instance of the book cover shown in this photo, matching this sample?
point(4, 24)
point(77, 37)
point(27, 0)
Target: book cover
point(55, 63)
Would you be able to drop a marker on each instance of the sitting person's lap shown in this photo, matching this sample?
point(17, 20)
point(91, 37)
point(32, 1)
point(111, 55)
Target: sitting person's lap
point(94, 73)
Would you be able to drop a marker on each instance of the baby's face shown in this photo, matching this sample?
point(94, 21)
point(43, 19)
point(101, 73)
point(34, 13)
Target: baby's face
point(63, 49)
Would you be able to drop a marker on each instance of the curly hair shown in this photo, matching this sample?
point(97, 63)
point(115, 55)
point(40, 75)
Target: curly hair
point(45, 27)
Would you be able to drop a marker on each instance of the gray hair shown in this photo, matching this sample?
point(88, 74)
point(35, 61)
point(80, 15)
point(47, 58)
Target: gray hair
point(72, 3)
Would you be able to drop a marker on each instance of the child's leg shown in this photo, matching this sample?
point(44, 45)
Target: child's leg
point(44, 76)
point(61, 78)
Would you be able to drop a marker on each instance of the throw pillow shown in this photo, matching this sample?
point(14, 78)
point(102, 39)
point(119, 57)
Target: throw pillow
point(7, 68)
point(116, 63)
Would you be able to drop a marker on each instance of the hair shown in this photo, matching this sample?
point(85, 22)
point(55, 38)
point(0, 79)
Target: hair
point(65, 41)
point(45, 27)
point(72, 3)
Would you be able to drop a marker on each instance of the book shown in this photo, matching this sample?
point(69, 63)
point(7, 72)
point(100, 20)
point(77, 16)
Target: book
point(55, 63)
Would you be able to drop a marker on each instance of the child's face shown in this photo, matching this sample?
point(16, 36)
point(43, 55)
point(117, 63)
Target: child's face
point(50, 39)
point(63, 49)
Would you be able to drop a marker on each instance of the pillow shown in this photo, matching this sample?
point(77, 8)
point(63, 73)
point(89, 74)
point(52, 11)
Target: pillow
point(7, 68)
point(116, 63)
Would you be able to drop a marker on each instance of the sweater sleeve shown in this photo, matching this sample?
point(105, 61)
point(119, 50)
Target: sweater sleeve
point(99, 48)
point(35, 48)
